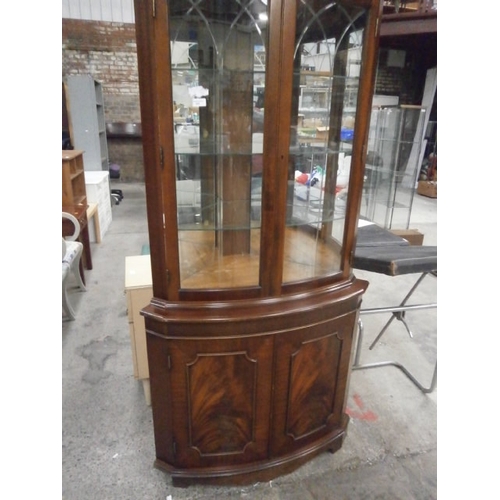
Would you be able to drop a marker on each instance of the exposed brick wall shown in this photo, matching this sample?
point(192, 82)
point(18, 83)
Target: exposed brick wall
point(390, 81)
point(407, 82)
point(128, 154)
point(108, 52)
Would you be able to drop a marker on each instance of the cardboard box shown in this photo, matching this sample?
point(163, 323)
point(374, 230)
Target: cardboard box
point(428, 188)
point(322, 133)
point(413, 236)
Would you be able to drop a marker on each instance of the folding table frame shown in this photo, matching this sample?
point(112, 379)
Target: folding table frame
point(380, 251)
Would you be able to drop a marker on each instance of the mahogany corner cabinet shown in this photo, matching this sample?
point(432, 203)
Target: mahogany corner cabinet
point(255, 116)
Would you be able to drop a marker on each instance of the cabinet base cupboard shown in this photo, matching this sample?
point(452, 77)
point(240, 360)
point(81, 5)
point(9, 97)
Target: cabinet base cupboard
point(251, 327)
point(253, 389)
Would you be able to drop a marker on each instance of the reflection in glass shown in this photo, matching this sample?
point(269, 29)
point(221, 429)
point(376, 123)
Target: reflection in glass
point(326, 78)
point(218, 54)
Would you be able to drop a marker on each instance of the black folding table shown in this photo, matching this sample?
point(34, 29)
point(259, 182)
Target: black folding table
point(380, 251)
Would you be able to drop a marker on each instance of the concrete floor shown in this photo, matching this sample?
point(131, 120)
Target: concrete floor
point(107, 432)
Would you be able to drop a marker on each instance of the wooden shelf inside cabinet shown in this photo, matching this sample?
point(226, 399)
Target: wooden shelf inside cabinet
point(73, 179)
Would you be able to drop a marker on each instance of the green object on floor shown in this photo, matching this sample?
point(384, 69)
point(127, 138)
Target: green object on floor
point(145, 250)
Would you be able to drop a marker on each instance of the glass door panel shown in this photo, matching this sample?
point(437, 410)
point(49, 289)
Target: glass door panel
point(326, 78)
point(218, 54)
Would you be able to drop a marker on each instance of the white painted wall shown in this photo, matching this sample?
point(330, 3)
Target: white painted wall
point(119, 11)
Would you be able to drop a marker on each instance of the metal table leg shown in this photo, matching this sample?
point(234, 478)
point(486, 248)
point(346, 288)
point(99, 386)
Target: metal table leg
point(397, 313)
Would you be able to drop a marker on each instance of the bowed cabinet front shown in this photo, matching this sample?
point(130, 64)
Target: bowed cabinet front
point(253, 391)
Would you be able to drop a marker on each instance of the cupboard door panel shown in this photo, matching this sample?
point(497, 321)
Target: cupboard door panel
point(311, 373)
point(223, 419)
point(221, 400)
point(312, 384)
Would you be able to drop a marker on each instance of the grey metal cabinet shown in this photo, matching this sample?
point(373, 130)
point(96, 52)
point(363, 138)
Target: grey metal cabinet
point(85, 105)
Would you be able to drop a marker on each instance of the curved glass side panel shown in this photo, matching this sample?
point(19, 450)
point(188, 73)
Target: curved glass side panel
point(326, 79)
point(218, 54)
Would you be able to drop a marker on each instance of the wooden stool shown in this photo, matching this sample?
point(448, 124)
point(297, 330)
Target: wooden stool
point(93, 213)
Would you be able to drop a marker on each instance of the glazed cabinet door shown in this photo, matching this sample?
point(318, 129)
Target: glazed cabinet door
point(255, 143)
point(312, 366)
point(215, 410)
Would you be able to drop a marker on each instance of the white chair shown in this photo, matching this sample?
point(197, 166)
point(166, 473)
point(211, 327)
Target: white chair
point(71, 254)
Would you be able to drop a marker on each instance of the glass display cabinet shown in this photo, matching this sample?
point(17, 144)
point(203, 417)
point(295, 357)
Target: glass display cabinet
point(255, 117)
point(392, 165)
